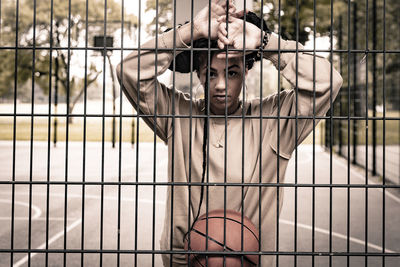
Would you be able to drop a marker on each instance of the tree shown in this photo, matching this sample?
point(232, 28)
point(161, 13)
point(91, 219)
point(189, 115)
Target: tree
point(296, 17)
point(164, 12)
point(353, 35)
point(66, 30)
point(289, 16)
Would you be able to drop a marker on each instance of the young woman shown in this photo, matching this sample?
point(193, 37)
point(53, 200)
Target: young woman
point(265, 160)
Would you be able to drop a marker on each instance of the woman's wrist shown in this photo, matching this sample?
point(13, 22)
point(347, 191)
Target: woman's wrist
point(256, 35)
point(185, 34)
point(263, 44)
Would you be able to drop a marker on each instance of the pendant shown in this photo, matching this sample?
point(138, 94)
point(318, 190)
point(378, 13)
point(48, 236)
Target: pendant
point(218, 145)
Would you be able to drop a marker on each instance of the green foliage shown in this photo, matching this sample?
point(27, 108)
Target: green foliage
point(289, 18)
point(296, 20)
point(67, 29)
point(370, 28)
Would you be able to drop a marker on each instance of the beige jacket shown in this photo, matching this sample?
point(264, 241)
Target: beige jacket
point(261, 164)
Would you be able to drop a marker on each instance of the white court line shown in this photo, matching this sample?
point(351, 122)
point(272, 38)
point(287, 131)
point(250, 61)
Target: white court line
point(88, 196)
point(361, 177)
point(36, 219)
point(37, 210)
point(51, 240)
point(335, 234)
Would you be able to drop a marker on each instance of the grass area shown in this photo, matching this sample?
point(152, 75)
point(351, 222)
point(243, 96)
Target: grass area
point(391, 134)
point(94, 130)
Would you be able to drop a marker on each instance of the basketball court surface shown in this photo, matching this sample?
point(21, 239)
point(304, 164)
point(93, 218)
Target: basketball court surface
point(93, 208)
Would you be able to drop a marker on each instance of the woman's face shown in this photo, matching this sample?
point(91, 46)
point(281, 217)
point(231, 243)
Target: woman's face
point(218, 89)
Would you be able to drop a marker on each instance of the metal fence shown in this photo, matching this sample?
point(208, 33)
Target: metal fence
point(84, 202)
point(371, 138)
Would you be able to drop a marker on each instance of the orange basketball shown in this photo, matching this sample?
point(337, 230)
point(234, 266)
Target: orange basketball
point(233, 224)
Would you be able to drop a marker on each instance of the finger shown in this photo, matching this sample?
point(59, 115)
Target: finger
point(222, 29)
point(217, 9)
point(240, 13)
point(222, 3)
point(223, 19)
point(232, 10)
point(221, 45)
point(232, 54)
point(222, 38)
point(219, 2)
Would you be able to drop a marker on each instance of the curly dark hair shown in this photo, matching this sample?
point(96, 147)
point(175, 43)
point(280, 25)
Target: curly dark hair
point(182, 60)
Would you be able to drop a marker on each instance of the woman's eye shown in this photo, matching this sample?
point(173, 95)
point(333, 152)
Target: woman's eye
point(213, 75)
point(232, 73)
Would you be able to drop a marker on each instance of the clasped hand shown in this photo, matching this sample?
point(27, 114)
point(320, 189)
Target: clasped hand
point(227, 30)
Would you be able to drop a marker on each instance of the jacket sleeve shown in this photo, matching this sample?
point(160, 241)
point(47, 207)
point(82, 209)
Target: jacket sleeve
point(314, 79)
point(138, 73)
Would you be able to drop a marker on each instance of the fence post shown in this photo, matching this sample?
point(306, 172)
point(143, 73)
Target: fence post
point(114, 93)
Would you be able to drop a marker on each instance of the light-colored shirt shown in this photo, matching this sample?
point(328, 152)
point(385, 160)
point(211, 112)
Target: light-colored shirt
point(254, 162)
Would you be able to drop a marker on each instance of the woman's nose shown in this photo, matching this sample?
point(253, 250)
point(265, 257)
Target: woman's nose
point(220, 83)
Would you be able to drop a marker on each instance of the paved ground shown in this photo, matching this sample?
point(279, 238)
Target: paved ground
point(391, 155)
point(89, 218)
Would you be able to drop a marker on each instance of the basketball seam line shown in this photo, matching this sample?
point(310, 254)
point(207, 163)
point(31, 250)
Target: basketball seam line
point(219, 243)
point(218, 217)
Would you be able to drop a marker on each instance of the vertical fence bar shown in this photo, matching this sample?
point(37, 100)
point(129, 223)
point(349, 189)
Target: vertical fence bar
point(84, 134)
point(296, 134)
point(366, 130)
point(260, 140)
point(190, 206)
point(331, 113)
point(49, 134)
point(348, 131)
point(374, 85)
point(103, 122)
point(120, 138)
point(243, 129)
point(114, 92)
point(355, 89)
point(207, 125)
point(173, 134)
point(313, 146)
point(340, 47)
point(14, 133)
point(384, 136)
point(31, 133)
point(155, 137)
point(277, 130)
point(56, 66)
point(137, 132)
point(67, 134)
point(225, 131)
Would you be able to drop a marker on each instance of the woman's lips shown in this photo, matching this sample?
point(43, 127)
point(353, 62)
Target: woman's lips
point(221, 98)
